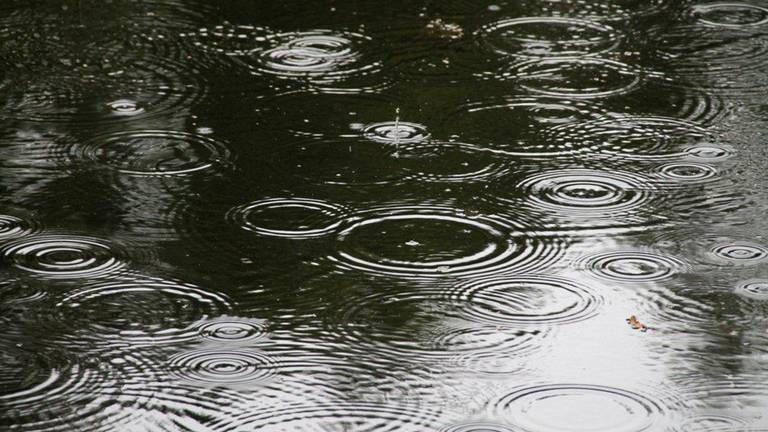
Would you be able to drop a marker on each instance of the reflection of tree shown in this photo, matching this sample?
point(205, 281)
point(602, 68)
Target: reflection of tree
point(64, 63)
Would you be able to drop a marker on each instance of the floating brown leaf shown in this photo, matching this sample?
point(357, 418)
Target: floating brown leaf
point(636, 324)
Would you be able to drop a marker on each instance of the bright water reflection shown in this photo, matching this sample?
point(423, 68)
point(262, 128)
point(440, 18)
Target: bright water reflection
point(400, 216)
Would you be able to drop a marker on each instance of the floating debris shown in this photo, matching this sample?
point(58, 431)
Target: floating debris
point(636, 324)
point(440, 29)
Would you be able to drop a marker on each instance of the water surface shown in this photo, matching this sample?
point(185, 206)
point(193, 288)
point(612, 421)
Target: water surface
point(383, 216)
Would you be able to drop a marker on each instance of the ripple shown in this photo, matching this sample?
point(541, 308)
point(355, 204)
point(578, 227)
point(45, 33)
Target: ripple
point(586, 198)
point(587, 78)
point(536, 37)
point(351, 111)
point(139, 311)
point(712, 249)
point(360, 417)
point(730, 14)
point(431, 326)
point(63, 257)
point(526, 300)
point(618, 12)
point(234, 329)
point(632, 266)
point(343, 162)
point(125, 107)
point(714, 423)
point(728, 395)
point(630, 137)
point(710, 152)
point(586, 190)
point(109, 87)
point(222, 367)
point(687, 172)
point(588, 408)
point(669, 309)
point(433, 241)
point(322, 57)
point(740, 252)
point(295, 218)
point(396, 132)
point(489, 350)
point(756, 289)
point(27, 379)
point(453, 162)
point(229, 39)
point(662, 98)
point(51, 391)
point(12, 227)
point(718, 198)
point(477, 427)
point(691, 105)
point(729, 61)
point(513, 125)
point(153, 152)
point(395, 324)
point(693, 50)
point(14, 293)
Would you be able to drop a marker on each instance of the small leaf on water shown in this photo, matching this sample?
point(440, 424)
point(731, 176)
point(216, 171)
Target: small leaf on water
point(636, 324)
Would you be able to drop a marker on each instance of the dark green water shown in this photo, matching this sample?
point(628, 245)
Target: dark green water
point(383, 216)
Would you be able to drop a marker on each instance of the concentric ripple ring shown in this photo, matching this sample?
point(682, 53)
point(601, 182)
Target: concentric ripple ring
point(630, 137)
point(710, 152)
point(756, 289)
point(579, 407)
point(536, 37)
point(321, 56)
point(54, 256)
point(151, 311)
point(304, 217)
point(154, 152)
point(366, 417)
point(396, 132)
point(529, 299)
point(402, 241)
point(575, 77)
point(477, 427)
point(687, 172)
point(14, 227)
point(731, 14)
point(585, 190)
point(233, 329)
point(222, 366)
point(632, 266)
point(740, 252)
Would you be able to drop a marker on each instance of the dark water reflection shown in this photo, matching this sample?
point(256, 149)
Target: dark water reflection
point(358, 216)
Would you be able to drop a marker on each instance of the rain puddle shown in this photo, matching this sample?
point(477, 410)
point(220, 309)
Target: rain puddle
point(454, 216)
